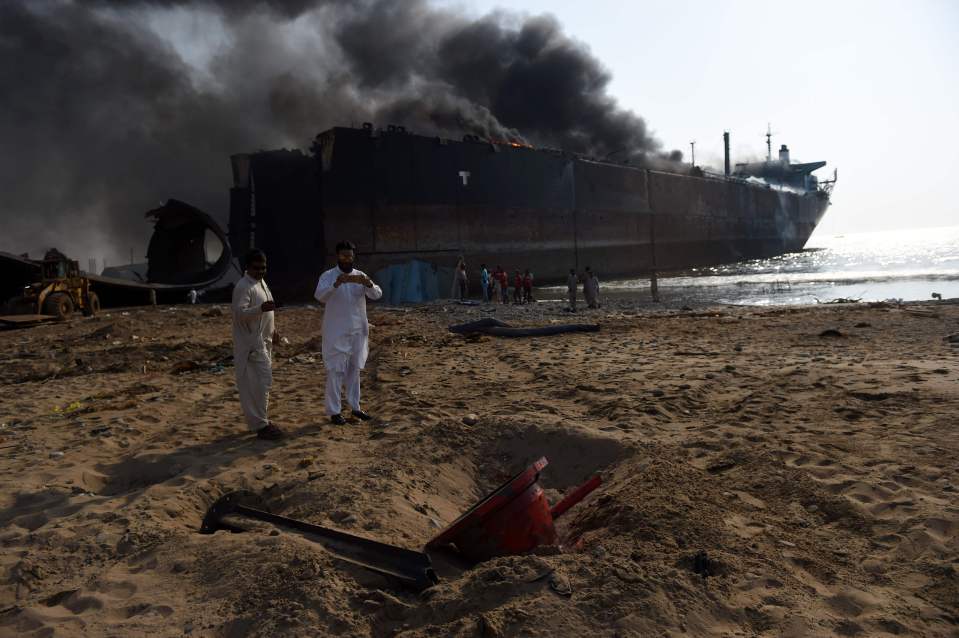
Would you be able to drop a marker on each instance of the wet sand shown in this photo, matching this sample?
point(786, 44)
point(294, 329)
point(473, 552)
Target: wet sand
point(762, 475)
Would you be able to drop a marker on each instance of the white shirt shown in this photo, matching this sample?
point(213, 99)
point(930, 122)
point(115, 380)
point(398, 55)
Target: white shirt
point(252, 328)
point(344, 318)
point(591, 285)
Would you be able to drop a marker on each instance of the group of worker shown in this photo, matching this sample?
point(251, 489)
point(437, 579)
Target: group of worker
point(496, 285)
point(343, 290)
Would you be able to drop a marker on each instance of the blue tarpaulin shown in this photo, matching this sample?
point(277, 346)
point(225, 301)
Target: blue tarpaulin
point(413, 282)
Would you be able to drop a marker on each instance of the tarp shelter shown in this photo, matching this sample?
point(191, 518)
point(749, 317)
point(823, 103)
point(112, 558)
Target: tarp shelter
point(411, 282)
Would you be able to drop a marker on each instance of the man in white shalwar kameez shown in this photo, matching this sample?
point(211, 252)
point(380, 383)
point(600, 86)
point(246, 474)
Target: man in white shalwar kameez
point(253, 336)
point(346, 331)
point(571, 282)
point(591, 288)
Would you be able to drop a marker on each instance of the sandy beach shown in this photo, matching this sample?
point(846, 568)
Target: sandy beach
point(767, 472)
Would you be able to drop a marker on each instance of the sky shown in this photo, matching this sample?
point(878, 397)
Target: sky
point(872, 88)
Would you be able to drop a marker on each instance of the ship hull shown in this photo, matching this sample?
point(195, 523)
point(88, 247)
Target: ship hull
point(400, 197)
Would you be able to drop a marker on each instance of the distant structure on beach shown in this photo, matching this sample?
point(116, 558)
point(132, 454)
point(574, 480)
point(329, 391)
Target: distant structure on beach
point(401, 196)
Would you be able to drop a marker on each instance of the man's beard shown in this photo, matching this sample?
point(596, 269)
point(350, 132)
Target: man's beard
point(345, 267)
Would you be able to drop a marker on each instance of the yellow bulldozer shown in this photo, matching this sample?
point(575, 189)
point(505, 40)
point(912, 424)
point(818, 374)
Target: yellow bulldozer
point(61, 291)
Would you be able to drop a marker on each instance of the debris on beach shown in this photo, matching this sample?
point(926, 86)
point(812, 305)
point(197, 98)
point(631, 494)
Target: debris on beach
point(411, 568)
point(514, 519)
point(921, 312)
point(498, 328)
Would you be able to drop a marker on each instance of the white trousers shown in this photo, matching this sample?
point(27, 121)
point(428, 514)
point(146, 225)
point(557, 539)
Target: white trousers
point(254, 386)
point(334, 388)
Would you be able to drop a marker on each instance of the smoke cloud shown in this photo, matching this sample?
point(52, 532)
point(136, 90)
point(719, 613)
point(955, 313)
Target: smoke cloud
point(108, 108)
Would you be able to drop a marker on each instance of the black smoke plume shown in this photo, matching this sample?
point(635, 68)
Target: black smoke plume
point(105, 111)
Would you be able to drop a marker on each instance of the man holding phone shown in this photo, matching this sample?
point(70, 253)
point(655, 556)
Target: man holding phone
point(343, 291)
point(254, 334)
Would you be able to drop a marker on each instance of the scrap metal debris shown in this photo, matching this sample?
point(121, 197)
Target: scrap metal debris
point(497, 328)
point(237, 509)
point(514, 519)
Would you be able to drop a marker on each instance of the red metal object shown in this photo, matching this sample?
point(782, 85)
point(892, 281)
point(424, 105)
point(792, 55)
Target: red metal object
point(514, 519)
point(576, 496)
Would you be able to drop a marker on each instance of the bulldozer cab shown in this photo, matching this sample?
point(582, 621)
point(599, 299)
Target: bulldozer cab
point(56, 266)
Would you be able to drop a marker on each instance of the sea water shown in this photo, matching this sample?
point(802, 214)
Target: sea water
point(906, 265)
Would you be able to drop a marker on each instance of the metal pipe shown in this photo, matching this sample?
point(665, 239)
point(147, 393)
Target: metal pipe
point(575, 497)
point(412, 568)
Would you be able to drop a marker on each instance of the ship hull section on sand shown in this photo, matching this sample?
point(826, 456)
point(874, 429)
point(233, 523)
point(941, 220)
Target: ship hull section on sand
point(399, 197)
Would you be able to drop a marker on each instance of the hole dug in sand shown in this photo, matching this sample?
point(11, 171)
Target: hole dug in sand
point(379, 511)
point(574, 456)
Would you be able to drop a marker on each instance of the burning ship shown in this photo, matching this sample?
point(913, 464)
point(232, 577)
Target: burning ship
point(400, 196)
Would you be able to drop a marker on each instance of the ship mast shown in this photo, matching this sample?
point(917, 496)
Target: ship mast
point(769, 142)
